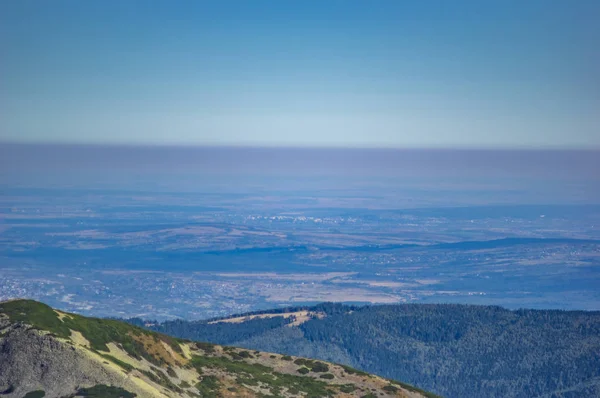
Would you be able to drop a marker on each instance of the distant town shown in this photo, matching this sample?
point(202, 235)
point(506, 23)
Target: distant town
point(199, 256)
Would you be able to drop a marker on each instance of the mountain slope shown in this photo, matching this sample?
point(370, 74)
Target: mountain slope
point(453, 350)
point(49, 353)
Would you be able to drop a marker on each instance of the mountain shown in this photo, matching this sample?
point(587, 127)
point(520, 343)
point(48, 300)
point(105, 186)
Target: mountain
point(50, 353)
point(452, 350)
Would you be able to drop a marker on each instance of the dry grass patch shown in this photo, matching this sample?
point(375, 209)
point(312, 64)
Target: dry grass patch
point(300, 317)
point(159, 349)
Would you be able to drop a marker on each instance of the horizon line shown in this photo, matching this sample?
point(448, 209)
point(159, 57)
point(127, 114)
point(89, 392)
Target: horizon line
point(174, 145)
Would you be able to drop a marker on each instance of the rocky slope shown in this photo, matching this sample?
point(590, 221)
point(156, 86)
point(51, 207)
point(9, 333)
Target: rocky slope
point(49, 353)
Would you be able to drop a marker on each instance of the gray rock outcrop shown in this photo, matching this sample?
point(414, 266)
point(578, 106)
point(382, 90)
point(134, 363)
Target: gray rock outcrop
point(32, 360)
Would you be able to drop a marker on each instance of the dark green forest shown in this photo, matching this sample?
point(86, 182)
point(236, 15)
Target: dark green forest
point(452, 350)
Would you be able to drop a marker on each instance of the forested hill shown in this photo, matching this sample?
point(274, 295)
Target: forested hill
point(50, 353)
point(452, 350)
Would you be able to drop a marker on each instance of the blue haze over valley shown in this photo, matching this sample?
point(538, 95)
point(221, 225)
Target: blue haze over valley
point(200, 232)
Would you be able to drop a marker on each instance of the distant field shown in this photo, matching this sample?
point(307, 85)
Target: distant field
point(299, 317)
point(163, 254)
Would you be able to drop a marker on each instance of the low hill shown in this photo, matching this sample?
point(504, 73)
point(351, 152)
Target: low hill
point(49, 353)
point(452, 350)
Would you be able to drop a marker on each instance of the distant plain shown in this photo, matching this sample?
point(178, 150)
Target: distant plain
point(183, 236)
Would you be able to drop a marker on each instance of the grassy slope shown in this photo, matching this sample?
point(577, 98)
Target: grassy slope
point(99, 332)
point(216, 371)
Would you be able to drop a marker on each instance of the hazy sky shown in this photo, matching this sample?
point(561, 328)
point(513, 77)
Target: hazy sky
point(302, 73)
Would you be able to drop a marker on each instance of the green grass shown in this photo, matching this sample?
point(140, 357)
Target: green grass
point(390, 388)
point(39, 315)
point(208, 386)
point(352, 371)
point(314, 366)
point(408, 387)
point(171, 372)
point(255, 374)
point(209, 348)
point(35, 394)
point(245, 354)
point(127, 367)
point(104, 391)
point(99, 332)
point(160, 378)
point(347, 388)
point(412, 388)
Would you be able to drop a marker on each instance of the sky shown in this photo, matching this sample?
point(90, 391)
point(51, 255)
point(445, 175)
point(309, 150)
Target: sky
point(363, 74)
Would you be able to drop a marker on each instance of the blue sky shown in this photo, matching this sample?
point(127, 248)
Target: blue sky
point(427, 74)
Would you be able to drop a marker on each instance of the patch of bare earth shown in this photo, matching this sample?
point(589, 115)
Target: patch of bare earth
point(300, 317)
point(159, 349)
